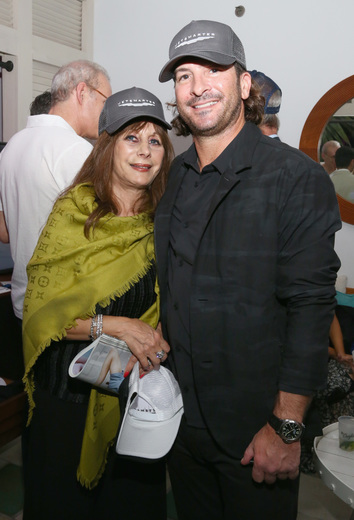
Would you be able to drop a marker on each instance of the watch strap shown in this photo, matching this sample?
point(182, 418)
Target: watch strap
point(276, 423)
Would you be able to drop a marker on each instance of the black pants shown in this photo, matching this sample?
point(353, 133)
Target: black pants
point(207, 483)
point(127, 490)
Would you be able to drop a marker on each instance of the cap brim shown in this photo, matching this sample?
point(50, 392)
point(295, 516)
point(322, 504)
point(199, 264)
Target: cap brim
point(147, 439)
point(117, 125)
point(167, 72)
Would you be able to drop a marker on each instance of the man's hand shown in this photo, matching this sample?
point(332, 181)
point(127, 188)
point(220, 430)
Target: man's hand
point(272, 458)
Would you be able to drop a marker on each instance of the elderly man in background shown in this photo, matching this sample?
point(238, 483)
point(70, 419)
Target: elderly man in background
point(328, 152)
point(41, 160)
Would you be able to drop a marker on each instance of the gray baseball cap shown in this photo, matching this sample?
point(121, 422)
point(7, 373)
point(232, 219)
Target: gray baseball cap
point(212, 41)
point(133, 103)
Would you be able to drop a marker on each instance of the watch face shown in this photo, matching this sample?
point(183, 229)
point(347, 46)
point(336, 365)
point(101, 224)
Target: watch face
point(290, 431)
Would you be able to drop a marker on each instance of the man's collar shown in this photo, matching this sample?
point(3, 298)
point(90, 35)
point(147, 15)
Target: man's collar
point(236, 156)
point(190, 158)
point(341, 170)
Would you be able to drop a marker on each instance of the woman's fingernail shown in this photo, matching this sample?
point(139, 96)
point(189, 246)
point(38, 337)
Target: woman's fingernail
point(142, 375)
point(126, 374)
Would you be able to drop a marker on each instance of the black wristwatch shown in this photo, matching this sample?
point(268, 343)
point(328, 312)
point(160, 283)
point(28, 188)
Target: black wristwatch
point(288, 430)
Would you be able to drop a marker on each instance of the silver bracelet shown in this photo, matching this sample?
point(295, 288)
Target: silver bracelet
point(99, 325)
point(93, 328)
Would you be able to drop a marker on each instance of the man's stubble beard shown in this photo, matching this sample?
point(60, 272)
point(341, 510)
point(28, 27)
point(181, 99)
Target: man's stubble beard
point(227, 119)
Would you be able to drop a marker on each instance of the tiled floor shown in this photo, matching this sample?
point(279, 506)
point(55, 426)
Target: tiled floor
point(316, 501)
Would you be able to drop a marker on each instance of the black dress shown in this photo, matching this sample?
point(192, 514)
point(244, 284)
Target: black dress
point(127, 490)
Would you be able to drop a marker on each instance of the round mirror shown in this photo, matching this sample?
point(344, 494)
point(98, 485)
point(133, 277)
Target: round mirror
point(340, 127)
point(315, 125)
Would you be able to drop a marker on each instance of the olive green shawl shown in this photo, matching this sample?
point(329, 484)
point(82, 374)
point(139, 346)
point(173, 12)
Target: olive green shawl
point(67, 276)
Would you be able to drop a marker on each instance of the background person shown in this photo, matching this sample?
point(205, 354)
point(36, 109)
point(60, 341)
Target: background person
point(273, 96)
point(41, 104)
point(246, 266)
point(93, 271)
point(43, 159)
point(342, 177)
point(328, 152)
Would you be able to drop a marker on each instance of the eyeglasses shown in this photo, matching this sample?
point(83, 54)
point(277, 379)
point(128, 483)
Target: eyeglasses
point(96, 90)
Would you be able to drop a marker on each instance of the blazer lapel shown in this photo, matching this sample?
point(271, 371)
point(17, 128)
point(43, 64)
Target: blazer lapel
point(163, 218)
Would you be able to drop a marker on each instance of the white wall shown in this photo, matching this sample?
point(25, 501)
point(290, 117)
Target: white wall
point(344, 246)
point(305, 46)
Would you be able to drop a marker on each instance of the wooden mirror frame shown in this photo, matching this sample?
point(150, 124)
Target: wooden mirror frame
point(315, 124)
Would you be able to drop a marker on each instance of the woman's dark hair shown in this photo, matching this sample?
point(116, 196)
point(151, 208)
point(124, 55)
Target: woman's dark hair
point(254, 107)
point(98, 168)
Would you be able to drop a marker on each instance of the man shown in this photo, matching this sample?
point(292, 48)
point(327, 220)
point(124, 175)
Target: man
point(244, 245)
point(41, 160)
point(342, 177)
point(41, 104)
point(328, 152)
point(272, 95)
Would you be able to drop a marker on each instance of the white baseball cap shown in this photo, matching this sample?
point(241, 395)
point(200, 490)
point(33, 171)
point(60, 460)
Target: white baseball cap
point(152, 415)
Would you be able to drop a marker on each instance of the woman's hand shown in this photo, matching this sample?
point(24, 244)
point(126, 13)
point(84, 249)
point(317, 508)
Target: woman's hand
point(146, 344)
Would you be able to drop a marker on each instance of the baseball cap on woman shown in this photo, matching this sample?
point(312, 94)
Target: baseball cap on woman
point(133, 103)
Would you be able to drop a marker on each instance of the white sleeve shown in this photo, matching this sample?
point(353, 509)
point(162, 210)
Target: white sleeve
point(69, 163)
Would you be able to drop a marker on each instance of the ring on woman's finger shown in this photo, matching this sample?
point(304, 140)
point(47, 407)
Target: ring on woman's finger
point(160, 354)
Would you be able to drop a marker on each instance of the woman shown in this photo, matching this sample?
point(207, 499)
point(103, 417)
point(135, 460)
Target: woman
point(93, 271)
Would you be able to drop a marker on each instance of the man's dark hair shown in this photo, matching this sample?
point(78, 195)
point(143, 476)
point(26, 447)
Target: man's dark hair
point(254, 107)
point(41, 104)
point(344, 156)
